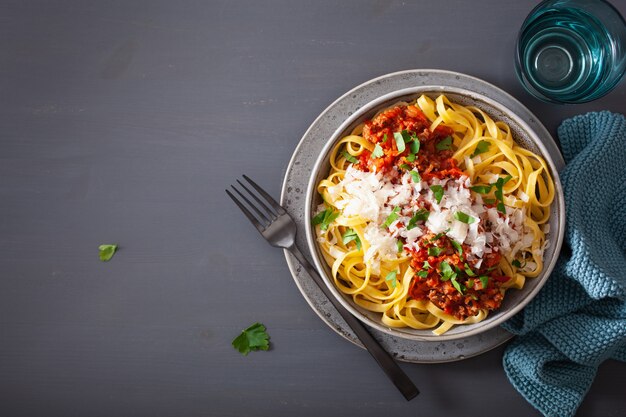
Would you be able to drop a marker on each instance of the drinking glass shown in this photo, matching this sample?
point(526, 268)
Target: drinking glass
point(571, 51)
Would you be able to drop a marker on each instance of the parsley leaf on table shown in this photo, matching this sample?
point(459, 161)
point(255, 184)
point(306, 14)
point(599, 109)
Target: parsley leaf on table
point(253, 338)
point(106, 252)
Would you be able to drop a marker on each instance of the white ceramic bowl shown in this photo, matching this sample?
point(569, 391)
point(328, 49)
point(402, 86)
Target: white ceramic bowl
point(514, 300)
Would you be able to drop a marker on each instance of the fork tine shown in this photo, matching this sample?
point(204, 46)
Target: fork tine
point(264, 220)
point(265, 195)
point(269, 211)
point(249, 215)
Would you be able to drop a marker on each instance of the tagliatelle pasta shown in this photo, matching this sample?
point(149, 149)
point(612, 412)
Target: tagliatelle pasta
point(431, 212)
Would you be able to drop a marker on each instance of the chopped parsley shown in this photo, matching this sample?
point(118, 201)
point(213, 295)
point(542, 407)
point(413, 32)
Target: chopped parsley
point(399, 137)
point(499, 196)
point(351, 235)
point(444, 144)
point(410, 157)
point(392, 276)
point(385, 138)
point(415, 145)
point(446, 271)
point(416, 176)
point(254, 337)
point(422, 274)
point(439, 235)
point(464, 218)
point(482, 189)
point(325, 218)
point(459, 287)
point(399, 245)
point(106, 252)
point(457, 246)
point(377, 152)
point(438, 192)
point(516, 263)
point(426, 265)
point(484, 280)
point(469, 271)
point(421, 214)
point(434, 251)
point(349, 158)
point(481, 147)
point(406, 166)
point(392, 217)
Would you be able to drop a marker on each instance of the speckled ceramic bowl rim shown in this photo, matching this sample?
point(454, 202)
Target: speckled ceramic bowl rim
point(459, 332)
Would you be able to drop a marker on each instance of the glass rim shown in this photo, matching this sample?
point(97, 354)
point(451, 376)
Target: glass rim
point(530, 88)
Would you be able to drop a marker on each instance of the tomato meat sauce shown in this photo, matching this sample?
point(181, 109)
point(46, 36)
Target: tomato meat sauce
point(443, 276)
point(465, 289)
point(429, 161)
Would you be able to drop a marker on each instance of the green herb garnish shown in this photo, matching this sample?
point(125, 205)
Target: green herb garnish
point(484, 280)
point(392, 217)
point(351, 235)
point(438, 192)
point(384, 138)
point(416, 176)
point(415, 145)
point(254, 337)
point(457, 246)
point(444, 144)
point(421, 214)
point(422, 274)
point(410, 157)
point(459, 287)
point(481, 147)
point(392, 277)
point(106, 252)
point(482, 189)
point(325, 218)
point(426, 265)
point(464, 218)
point(439, 235)
point(489, 200)
point(499, 196)
point(400, 140)
point(399, 245)
point(378, 151)
point(434, 251)
point(349, 158)
point(406, 166)
point(469, 271)
point(446, 271)
point(516, 263)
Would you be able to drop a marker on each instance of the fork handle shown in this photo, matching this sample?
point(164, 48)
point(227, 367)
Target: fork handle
point(382, 357)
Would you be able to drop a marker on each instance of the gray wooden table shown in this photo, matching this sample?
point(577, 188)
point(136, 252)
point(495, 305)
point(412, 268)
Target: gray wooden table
point(123, 122)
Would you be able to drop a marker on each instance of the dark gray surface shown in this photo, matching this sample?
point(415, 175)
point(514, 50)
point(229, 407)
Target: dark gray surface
point(122, 122)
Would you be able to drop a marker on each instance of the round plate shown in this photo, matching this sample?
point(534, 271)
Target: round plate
point(299, 171)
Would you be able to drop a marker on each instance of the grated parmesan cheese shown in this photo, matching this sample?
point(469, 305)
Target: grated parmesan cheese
point(373, 197)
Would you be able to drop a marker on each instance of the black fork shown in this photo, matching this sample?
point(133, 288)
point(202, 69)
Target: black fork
point(279, 229)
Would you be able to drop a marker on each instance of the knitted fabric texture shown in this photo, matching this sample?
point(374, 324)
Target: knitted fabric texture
point(578, 319)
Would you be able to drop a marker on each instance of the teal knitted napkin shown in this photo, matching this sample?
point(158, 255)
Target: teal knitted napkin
point(578, 319)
